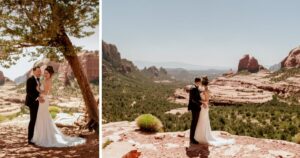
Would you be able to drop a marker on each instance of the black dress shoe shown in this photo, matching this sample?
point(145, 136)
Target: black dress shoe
point(194, 142)
point(30, 143)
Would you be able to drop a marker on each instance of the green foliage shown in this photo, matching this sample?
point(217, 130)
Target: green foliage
point(106, 143)
point(296, 138)
point(54, 110)
point(283, 74)
point(24, 110)
point(2, 118)
point(43, 25)
point(273, 119)
point(243, 72)
point(120, 91)
point(149, 123)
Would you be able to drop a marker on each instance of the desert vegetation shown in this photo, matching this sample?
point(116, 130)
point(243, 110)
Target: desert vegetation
point(127, 97)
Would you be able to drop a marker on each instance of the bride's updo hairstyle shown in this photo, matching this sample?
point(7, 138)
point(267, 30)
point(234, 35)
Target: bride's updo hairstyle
point(50, 70)
point(205, 81)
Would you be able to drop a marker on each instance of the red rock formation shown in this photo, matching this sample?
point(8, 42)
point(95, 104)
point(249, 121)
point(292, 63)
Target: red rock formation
point(248, 63)
point(292, 60)
point(112, 59)
point(243, 64)
point(90, 65)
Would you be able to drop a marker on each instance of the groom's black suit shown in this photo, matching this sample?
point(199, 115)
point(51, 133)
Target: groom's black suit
point(31, 101)
point(194, 106)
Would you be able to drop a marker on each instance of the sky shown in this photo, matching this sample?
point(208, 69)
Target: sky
point(211, 33)
point(23, 65)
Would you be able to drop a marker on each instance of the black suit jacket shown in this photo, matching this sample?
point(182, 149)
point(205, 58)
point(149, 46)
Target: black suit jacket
point(195, 99)
point(31, 92)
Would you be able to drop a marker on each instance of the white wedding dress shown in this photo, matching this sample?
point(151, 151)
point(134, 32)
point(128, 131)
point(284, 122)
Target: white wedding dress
point(46, 134)
point(203, 132)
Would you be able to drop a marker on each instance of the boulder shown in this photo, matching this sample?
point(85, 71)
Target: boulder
point(292, 60)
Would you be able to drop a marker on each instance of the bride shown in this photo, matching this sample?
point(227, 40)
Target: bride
point(46, 134)
point(203, 133)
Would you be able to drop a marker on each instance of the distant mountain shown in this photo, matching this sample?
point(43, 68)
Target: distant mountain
point(275, 67)
point(156, 73)
point(141, 64)
point(113, 63)
point(189, 75)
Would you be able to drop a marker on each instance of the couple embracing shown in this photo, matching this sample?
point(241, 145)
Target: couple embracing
point(200, 132)
point(41, 130)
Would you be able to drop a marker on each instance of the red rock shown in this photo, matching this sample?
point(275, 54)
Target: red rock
point(132, 154)
point(90, 65)
point(248, 63)
point(292, 60)
point(243, 63)
point(112, 59)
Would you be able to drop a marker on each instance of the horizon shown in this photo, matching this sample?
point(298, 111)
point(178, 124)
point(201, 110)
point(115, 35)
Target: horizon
point(221, 33)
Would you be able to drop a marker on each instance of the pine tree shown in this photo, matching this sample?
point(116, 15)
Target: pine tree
point(46, 26)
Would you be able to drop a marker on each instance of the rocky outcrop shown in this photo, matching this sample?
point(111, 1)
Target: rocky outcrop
point(292, 60)
point(252, 88)
point(176, 144)
point(154, 72)
point(90, 64)
point(111, 54)
point(230, 73)
point(250, 64)
point(112, 60)
point(88, 59)
point(2, 78)
point(127, 66)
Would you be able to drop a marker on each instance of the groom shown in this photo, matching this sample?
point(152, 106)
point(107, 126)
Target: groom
point(32, 99)
point(194, 106)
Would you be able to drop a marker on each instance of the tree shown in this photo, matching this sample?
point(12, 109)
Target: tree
point(46, 26)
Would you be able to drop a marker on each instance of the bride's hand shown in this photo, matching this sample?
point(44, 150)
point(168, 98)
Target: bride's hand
point(205, 105)
point(38, 88)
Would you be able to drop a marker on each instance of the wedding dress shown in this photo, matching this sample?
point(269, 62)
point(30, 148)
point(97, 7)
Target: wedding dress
point(46, 134)
point(203, 133)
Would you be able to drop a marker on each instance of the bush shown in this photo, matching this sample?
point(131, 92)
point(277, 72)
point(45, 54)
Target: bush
point(149, 123)
point(296, 138)
point(106, 143)
point(2, 118)
point(54, 110)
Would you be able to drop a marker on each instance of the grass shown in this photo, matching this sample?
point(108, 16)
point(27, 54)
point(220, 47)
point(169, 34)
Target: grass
point(24, 110)
point(106, 143)
point(283, 74)
point(296, 138)
point(54, 110)
point(243, 72)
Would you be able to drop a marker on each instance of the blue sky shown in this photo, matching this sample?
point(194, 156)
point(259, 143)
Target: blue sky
point(212, 33)
point(88, 43)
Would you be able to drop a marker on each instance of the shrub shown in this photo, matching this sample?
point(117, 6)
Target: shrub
point(296, 138)
point(2, 118)
point(54, 110)
point(106, 143)
point(149, 123)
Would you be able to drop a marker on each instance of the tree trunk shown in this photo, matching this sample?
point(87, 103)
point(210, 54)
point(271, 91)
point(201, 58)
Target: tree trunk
point(89, 99)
